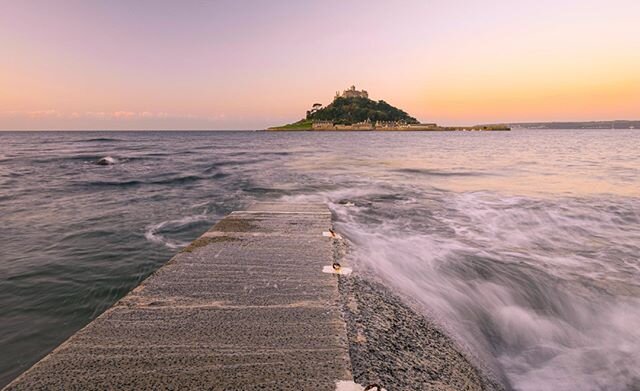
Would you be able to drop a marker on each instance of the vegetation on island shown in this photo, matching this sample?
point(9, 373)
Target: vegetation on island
point(303, 124)
point(349, 111)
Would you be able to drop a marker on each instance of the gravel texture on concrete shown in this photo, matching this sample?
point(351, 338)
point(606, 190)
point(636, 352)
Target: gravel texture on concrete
point(393, 346)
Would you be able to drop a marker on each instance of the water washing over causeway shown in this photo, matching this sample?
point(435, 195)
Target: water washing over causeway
point(524, 246)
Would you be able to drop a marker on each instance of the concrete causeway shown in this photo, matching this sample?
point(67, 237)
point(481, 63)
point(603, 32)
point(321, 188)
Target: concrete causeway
point(245, 307)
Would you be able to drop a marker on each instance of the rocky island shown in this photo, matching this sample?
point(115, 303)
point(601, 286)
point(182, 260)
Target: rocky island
point(354, 110)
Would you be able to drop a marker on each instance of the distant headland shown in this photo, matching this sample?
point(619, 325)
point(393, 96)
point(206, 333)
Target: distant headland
point(353, 110)
point(615, 124)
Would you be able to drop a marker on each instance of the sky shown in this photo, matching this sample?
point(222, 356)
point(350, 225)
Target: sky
point(123, 64)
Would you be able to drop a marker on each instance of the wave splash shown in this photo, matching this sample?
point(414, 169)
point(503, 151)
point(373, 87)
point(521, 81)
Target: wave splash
point(530, 287)
point(159, 233)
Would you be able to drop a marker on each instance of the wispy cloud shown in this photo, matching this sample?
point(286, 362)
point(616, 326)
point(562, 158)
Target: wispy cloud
point(32, 113)
point(104, 115)
point(53, 119)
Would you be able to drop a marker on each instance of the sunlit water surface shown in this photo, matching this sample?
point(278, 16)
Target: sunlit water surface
point(523, 245)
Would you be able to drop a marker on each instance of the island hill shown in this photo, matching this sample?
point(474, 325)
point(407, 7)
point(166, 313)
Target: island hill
point(353, 110)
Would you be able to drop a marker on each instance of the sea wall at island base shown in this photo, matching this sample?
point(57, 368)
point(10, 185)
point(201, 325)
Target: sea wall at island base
point(402, 128)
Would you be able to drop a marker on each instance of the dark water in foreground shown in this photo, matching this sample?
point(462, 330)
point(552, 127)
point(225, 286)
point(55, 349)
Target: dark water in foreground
point(524, 245)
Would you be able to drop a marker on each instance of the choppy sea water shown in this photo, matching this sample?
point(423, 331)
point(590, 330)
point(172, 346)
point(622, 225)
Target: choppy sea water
point(523, 245)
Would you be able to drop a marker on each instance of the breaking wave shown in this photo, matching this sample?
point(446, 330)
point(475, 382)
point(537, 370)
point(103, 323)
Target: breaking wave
point(544, 292)
point(161, 232)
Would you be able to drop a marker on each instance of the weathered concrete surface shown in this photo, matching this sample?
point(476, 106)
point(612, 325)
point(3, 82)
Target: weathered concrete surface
point(245, 307)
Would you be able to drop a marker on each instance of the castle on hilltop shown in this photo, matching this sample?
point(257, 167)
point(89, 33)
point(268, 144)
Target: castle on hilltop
point(352, 93)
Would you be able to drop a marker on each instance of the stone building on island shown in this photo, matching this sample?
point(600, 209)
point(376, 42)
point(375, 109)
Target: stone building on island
point(352, 93)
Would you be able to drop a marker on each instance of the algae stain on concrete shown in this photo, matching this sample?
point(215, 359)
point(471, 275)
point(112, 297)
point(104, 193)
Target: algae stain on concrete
point(225, 225)
point(233, 225)
point(206, 240)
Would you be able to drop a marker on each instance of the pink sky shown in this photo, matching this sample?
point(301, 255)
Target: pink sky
point(251, 64)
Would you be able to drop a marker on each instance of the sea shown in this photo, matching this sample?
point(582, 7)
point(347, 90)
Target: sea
point(524, 246)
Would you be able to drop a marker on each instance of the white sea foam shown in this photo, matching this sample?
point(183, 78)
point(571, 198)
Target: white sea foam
point(528, 285)
point(155, 232)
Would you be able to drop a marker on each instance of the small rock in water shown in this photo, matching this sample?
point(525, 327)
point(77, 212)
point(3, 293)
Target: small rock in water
point(106, 161)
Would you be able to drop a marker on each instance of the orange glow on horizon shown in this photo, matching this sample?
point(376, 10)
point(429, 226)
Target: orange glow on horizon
point(491, 62)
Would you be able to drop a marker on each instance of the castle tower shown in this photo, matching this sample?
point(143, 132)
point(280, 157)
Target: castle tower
point(351, 92)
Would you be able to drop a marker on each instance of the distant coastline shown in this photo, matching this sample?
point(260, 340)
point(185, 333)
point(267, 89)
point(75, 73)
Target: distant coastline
point(615, 124)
